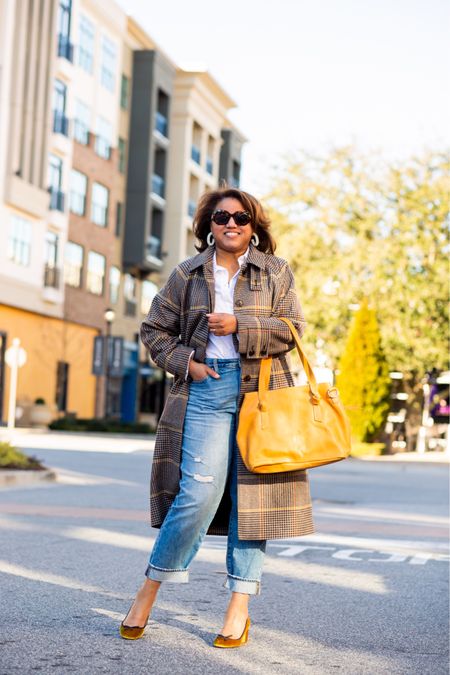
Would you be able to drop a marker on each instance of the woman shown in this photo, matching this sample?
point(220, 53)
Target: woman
point(209, 326)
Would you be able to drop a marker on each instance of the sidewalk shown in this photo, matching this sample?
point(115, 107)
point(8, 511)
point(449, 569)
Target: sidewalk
point(34, 439)
point(432, 456)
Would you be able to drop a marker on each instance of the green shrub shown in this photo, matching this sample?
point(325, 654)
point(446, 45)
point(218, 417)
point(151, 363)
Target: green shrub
point(100, 425)
point(11, 458)
point(360, 449)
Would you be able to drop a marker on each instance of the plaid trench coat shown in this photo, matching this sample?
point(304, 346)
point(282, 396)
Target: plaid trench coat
point(270, 506)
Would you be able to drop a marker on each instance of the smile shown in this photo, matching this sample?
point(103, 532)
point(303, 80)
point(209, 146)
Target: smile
point(232, 234)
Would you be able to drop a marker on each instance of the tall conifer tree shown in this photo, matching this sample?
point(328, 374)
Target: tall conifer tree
point(363, 380)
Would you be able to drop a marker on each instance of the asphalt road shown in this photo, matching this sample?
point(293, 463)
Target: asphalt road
point(366, 594)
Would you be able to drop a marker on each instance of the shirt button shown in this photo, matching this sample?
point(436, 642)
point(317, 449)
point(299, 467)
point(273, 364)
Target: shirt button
point(239, 303)
point(247, 378)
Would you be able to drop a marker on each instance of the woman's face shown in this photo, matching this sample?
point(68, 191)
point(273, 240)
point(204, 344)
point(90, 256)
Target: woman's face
point(231, 237)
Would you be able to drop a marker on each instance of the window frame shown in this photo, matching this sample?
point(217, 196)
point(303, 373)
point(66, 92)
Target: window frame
point(71, 245)
point(95, 205)
point(91, 274)
point(20, 240)
point(86, 44)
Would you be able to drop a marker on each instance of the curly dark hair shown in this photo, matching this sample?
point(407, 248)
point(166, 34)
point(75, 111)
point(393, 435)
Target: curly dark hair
point(207, 203)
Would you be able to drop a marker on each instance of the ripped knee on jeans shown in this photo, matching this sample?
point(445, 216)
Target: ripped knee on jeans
point(203, 479)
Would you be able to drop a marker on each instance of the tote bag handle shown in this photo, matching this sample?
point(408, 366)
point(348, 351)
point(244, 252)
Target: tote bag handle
point(266, 365)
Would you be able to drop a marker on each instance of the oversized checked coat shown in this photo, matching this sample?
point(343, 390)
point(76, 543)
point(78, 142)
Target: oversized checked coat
point(270, 506)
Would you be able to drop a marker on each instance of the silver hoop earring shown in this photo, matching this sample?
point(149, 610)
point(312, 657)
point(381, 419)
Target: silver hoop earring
point(255, 239)
point(210, 239)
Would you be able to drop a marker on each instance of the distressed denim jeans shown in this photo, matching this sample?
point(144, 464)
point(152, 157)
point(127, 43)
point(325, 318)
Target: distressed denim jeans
point(209, 454)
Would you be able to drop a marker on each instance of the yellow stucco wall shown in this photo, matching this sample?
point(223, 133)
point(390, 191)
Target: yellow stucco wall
point(47, 341)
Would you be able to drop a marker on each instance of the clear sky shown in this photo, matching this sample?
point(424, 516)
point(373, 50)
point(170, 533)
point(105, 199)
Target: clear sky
point(314, 73)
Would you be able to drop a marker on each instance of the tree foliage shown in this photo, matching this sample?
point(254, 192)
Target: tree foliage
point(355, 227)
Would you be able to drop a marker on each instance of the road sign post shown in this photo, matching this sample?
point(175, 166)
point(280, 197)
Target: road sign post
point(15, 357)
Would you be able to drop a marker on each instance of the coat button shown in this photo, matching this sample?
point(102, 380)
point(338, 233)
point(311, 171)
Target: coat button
point(247, 378)
point(239, 303)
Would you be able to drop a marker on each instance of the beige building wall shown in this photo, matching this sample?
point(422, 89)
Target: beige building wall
point(28, 64)
point(198, 113)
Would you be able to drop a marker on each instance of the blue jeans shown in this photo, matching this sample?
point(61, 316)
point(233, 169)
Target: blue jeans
point(209, 454)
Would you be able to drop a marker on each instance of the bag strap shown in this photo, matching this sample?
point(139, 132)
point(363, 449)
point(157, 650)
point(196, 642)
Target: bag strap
point(266, 365)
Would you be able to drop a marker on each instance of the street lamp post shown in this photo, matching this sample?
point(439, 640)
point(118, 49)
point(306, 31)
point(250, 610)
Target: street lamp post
point(109, 316)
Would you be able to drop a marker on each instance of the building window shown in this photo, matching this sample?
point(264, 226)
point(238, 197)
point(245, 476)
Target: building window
point(236, 174)
point(149, 290)
point(82, 123)
point(60, 121)
point(196, 143)
point(73, 264)
point(129, 293)
point(19, 242)
point(99, 204)
point(86, 39)
point(95, 282)
point(54, 182)
point(122, 155)
point(62, 383)
point(119, 218)
point(114, 284)
point(103, 138)
point(108, 67)
point(162, 113)
point(78, 189)
point(65, 48)
point(51, 271)
point(124, 92)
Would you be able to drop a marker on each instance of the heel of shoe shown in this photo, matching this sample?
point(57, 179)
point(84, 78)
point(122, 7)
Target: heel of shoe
point(227, 642)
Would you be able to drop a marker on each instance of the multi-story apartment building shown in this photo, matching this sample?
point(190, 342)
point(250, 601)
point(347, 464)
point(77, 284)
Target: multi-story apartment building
point(105, 146)
point(36, 155)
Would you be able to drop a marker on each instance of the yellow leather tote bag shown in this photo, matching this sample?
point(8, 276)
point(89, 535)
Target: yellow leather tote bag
point(294, 427)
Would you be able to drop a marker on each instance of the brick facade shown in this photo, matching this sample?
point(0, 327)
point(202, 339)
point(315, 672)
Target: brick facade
point(81, 305)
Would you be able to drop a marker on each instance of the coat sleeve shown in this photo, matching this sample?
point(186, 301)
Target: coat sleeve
point(160, 330)
point(260, 337)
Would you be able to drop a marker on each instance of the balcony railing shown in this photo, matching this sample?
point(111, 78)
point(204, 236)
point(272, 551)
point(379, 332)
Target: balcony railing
point(209, 166)
point(153, 248)
point(161, 124)
point(158, 185)
point(195, 153)
point(60, 123)
point(52, 276)
point(65, 48)
point(56, 199)
point(191, 207)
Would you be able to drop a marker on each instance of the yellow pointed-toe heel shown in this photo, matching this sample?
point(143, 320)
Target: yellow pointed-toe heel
point(226, 641)
point(132, 632)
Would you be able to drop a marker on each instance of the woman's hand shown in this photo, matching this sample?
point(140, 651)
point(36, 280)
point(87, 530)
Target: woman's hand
point(199, 371)
point(222, 324)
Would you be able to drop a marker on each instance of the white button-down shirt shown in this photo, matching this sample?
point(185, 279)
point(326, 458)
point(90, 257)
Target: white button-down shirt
point(221, 346)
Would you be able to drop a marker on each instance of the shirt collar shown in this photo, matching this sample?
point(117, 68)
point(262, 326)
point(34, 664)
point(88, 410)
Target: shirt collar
point(255, 257)
point(242, 258)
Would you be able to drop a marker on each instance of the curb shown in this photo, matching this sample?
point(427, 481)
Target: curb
point(440, 459)
point(11, 477)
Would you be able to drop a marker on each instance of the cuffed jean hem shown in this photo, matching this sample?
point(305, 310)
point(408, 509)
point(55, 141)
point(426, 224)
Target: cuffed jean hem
point(159, 574)
point(238, 585)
